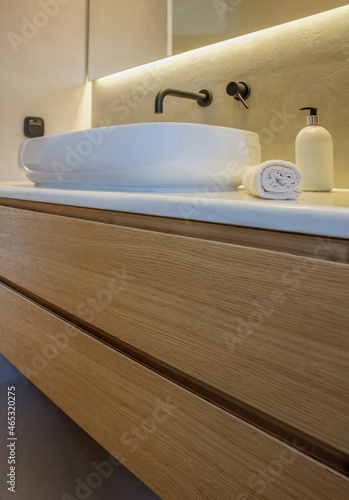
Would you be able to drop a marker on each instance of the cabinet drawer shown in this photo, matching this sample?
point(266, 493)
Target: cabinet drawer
point(180, 445)
point(267, 329)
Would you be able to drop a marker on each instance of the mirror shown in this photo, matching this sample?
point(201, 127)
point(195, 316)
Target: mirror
point(123, 35)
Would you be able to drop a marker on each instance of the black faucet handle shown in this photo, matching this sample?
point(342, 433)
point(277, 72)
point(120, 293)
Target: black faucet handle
point(240, 91)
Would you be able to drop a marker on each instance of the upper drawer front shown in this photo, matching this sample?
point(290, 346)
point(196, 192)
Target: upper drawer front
point(267, 328)
point(180, 445)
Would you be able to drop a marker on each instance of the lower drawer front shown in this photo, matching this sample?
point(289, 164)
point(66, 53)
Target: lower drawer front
point(180, 445)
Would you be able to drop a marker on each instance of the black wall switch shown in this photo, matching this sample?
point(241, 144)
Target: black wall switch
point(34, 126)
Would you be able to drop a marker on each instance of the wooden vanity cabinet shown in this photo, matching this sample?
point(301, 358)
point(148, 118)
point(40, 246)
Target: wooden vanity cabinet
point(212, 360)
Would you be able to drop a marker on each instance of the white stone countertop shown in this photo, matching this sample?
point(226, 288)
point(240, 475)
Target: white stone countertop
point(325, 214)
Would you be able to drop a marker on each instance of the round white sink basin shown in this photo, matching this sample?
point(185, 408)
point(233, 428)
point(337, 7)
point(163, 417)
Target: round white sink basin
point(142, 157)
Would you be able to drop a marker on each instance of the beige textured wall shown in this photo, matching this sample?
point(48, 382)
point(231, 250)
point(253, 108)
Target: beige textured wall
point(303, 63)
point(42, 72)
point(125, 34)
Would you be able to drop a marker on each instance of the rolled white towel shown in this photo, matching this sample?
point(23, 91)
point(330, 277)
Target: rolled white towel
point(274, 179)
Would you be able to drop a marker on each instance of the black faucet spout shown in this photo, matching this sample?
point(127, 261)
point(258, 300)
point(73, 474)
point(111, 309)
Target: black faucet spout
point(203, 98)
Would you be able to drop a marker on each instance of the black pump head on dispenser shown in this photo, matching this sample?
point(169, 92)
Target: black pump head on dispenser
point(313, 118)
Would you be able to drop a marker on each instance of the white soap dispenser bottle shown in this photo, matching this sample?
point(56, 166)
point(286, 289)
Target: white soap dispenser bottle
point(314, 155)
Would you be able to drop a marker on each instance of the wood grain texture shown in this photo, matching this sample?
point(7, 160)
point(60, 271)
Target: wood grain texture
point(292, 243)
point(211, 310)
point(181, 446)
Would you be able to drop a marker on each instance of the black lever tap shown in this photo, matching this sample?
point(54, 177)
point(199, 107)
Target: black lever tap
point(240, 91)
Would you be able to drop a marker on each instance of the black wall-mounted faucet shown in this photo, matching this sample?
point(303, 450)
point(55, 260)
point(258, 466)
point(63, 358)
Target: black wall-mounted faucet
point(203, 98)
point(240, 91)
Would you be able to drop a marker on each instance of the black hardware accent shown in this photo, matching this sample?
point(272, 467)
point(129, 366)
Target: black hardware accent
point(203, 98)
point(240, 91)
point(34, 126)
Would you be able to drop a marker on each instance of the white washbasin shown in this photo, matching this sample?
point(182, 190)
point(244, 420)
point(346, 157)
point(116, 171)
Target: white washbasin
point(142, 157)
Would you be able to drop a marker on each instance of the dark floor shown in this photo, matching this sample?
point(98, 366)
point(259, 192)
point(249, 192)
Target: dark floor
point(55, 458)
